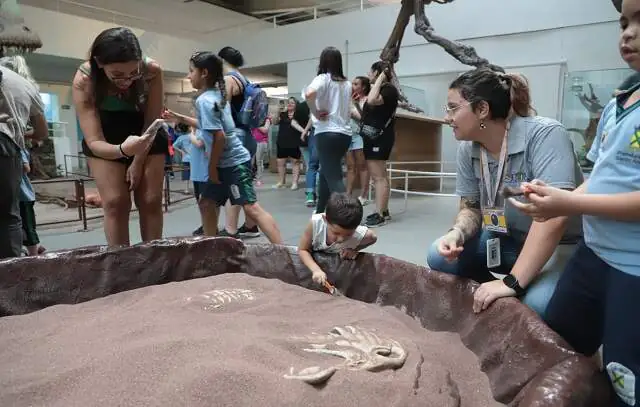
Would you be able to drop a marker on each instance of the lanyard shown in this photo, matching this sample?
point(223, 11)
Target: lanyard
point(492, 190)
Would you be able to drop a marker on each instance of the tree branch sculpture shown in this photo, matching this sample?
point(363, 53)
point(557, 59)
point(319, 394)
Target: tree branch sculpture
point(466, 54)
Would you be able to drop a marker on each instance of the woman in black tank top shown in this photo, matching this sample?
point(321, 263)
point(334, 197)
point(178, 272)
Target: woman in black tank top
point(117, 94)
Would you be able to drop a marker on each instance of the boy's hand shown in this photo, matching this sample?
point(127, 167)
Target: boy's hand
point(544, 202)
point(319, 277)
point(213, 175)
point(348, 254)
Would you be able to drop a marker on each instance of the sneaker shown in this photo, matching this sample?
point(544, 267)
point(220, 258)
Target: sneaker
point(376, 220)
point(198, 232)
point(244, 231)
point(386, 214)
point(224, 233)
point(279, 185)
point(311, 200)
point(294, 186)
point(258, 183)
point(364, 201)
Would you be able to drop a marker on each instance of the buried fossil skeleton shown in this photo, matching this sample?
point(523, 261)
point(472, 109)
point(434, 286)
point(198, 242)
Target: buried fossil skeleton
point(361, 349)
point(216, 299)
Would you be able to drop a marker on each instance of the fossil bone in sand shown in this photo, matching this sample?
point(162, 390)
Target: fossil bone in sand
point(361, 349)
point(218, 298)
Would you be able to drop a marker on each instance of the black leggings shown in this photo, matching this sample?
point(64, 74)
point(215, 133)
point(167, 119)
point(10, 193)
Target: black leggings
point(331, 148)
point(10, 221)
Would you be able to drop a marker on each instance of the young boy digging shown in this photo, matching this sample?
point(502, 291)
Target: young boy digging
point(338, 230)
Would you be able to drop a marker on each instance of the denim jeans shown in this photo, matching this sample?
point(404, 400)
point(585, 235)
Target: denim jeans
point(311, 163)
point(331, 149)
point(472, 264)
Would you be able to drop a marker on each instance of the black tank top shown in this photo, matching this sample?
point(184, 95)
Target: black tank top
point(237, 100)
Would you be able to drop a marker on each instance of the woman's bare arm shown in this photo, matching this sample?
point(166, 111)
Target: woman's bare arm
point(83, 100)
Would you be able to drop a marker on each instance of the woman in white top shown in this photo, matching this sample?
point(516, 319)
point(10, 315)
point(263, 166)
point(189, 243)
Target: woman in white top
point(329, 100)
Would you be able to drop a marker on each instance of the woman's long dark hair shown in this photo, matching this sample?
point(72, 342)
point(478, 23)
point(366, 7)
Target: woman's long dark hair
point(113, 46)
point(331, 63)
point(213, 64)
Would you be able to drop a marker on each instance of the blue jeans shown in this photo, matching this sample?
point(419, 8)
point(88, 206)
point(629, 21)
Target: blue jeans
point(311, 163)
point(596, 304)
point(472, 264)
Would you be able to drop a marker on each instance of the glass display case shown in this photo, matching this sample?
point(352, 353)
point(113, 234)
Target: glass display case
point(416, 96)
point(585, 95)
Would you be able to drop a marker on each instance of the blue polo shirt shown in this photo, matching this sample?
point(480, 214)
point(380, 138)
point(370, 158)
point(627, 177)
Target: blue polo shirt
point(616, 154)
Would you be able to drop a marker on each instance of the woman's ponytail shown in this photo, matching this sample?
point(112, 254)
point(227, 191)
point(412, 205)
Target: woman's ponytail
point(520, 95)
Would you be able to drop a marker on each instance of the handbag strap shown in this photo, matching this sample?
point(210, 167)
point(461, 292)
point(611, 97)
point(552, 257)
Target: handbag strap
point(362, 116)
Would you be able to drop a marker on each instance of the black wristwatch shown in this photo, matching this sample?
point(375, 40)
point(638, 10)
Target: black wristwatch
point(512, 282)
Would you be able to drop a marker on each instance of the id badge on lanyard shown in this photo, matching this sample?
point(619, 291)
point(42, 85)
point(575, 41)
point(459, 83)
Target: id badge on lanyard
point(493, 217)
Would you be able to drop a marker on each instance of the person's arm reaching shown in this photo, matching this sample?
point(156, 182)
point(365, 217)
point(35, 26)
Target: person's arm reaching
point(40, 127)
point(374, 98)
point(297, 126)
point(304, 252)
point(155, 103)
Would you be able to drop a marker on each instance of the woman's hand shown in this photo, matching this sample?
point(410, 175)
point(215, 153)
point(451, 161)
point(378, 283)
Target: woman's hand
point(488, 293)
point(450, 245)
point(134, 145)
point(304, 135)
point(134, 173)
point(545, 202)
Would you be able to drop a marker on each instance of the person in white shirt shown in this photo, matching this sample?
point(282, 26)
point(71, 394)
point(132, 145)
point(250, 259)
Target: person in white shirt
point(329, 100)
point(338, 230)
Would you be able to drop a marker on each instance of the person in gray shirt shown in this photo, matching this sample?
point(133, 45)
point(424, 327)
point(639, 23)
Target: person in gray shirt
point(502, 145)
point(20, 103)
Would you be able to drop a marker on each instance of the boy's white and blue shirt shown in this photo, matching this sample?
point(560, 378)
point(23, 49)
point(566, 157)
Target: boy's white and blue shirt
point(616, 154)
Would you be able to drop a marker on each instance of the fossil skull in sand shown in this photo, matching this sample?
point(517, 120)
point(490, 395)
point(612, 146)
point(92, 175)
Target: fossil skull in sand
point(15, 36)
point(361, 350)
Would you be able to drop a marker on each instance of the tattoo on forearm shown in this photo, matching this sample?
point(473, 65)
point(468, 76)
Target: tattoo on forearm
point(469, 219)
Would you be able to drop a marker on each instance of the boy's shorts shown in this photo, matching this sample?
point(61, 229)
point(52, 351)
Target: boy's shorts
point(595, 304)
point(236, 185)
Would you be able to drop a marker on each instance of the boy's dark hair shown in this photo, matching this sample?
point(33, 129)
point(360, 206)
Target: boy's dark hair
point(182, 128)
point(344, 211)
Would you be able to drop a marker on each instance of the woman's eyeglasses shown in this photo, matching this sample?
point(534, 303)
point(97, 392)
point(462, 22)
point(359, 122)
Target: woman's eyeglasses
point(452, 109)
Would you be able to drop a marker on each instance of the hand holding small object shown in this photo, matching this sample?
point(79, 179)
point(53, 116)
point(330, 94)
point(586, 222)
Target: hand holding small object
point(545, 202)
point(348, 254)
point(319, 277)
point(450, 245)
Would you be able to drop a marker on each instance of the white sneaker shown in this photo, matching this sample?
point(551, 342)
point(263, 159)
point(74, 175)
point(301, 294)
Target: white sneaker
point(294, 186)
point(364, 201)
point(279, 185)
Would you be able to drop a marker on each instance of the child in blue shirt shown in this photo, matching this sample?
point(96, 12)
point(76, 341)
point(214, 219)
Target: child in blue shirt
point(598, 296)
point(27, 212)
point(183, 145)
point(222, 171)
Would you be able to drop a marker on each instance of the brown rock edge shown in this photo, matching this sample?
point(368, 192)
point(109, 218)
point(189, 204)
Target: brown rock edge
point(527, 364)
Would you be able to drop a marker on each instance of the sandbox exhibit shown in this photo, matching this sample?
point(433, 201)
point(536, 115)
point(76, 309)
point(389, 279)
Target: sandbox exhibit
point(202, 322)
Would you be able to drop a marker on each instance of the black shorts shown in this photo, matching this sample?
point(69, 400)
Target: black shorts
point(380, 148)
point(186, 171)
point(236, 185)
point(289, 152)
point(117, 126)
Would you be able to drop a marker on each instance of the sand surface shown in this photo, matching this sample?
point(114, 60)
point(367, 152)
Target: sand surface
point(231, 340)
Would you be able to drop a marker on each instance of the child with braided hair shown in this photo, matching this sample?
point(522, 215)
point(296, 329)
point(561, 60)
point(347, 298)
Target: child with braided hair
point(221, 167)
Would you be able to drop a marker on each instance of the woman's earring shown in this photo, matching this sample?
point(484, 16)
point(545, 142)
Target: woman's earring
point(482, 125)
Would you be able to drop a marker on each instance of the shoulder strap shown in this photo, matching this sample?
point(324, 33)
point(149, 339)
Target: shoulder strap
point(239, 79)
point(85, 70)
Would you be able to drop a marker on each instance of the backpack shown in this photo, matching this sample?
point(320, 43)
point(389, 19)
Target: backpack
point(255, 106)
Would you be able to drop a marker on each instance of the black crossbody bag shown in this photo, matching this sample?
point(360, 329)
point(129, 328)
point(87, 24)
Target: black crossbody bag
point(372, 133)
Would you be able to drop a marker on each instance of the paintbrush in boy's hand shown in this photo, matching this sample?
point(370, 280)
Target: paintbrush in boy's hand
point(508, 192)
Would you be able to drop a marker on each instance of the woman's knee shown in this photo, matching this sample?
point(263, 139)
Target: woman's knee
point(116, 204)
point(149, 200)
